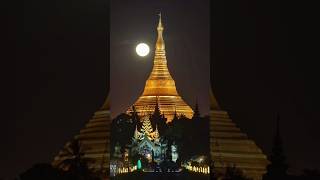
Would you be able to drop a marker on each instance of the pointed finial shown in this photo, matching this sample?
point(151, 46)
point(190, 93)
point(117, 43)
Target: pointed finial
point(160, 23)
point(160, 27)
point(160, 42)
point(196, 112)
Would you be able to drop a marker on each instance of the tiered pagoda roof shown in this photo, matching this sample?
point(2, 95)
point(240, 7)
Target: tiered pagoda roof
point(161, 87)
point(230, 147)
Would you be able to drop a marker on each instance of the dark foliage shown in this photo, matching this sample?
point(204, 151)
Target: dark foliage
point(310, 174)
point(76, 166)
point(191, 136)
point(47, 172)
point(158, 120)
point(233, 173)
point(41, 171)
point(122, 129)
point(278, 167)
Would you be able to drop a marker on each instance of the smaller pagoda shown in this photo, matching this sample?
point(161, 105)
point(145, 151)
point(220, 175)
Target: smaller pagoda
point(146, 142)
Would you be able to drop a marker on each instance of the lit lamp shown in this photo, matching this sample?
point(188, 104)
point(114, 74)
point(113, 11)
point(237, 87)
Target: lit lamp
point(139, 166)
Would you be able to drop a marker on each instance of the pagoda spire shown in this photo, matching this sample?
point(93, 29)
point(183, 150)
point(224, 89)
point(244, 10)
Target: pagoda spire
point(146, 126)
point(137, 134)
point(160, 42)
point(157, 111)
point(160, 81)
point(156, 133)
point(160, 85)
point(196, 113)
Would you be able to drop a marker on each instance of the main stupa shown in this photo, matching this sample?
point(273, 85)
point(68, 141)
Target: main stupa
point(160, 86)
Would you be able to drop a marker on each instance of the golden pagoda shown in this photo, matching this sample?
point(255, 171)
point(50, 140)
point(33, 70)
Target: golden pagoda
point(229, 147)
point(160, 87)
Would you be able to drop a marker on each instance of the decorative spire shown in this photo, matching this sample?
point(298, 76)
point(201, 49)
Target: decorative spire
point(160, 70)
point(196, 113)
point(137, 134)
point(160, 23)
point(161, 85)
point(160, 42)
point(157, 112)
point(156, 133)
point(146, 126)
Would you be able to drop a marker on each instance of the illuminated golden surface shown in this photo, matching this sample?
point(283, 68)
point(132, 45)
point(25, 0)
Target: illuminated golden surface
point(161, 85)
point(231, 147)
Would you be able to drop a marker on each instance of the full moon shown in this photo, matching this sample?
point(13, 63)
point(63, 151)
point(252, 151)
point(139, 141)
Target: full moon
point(142, 49)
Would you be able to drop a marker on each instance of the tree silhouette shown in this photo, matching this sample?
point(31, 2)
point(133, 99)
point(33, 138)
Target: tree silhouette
point(135, 117)
point(233, 173)
point(157, 119)
point(196, 113)
point(122, 129)
point(310, 174)
point(76, 166)
point(41, 171)
point(278, 167)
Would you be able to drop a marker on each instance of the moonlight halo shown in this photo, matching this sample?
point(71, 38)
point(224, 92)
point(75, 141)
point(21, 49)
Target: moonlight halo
point(142, 49)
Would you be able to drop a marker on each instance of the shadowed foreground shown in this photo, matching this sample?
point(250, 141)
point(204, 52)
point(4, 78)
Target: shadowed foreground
point(161, 176)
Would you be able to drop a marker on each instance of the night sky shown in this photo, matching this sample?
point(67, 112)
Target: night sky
point(263, 62)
